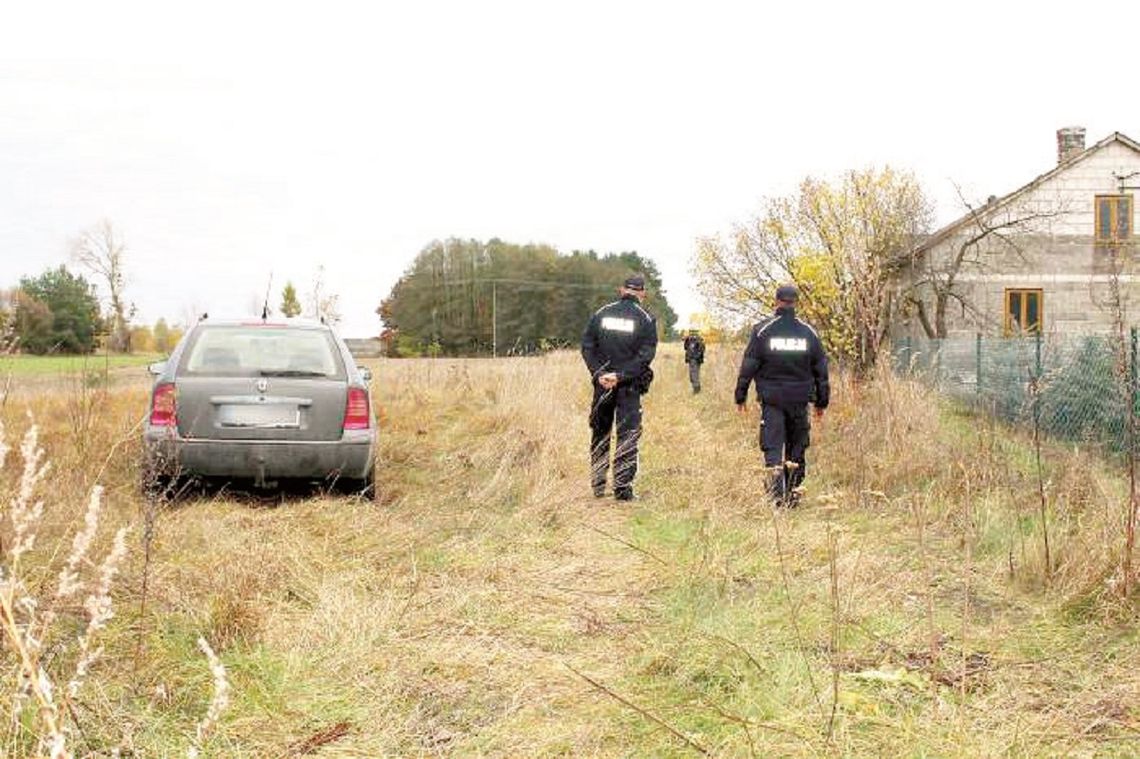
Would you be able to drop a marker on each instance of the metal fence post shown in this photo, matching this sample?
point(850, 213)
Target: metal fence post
point(1038, 348)
point(1132, 376)
point(978, 365)
point(1035, 383)
point(936, 347)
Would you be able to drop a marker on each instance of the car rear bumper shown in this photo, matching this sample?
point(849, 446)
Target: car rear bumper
point(351, 457)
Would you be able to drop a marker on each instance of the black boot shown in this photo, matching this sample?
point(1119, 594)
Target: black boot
point(795, 483)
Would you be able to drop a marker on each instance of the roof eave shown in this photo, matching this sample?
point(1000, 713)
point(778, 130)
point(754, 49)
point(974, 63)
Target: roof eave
point(948, 230)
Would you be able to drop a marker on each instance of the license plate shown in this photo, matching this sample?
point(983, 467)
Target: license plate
point(273, 415)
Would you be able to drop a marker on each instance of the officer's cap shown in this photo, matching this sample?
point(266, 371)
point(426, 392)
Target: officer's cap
point(787, 293)
point(634, 282)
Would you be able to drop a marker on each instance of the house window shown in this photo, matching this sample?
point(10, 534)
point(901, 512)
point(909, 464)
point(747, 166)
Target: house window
point(1024, 312)
point(1113, 219)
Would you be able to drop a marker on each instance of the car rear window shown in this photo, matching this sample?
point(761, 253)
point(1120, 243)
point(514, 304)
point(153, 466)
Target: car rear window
point(253, 351)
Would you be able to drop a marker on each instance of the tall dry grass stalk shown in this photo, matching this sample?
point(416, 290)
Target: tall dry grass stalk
point(219, 702)
point(794, 611)
point(836, 623)
point(1039, 470)
point(36, 621)
point(1125, 354)
point(968, 538)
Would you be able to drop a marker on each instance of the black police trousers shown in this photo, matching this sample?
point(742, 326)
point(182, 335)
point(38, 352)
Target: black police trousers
point(695, 375)
point(784, 438)
point(622, 406)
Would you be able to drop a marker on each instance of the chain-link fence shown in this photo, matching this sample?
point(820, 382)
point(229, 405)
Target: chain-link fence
point(1076, 387)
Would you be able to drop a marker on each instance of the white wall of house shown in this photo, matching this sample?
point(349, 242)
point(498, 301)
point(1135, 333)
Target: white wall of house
point(1079, 184)
point(1056, 255)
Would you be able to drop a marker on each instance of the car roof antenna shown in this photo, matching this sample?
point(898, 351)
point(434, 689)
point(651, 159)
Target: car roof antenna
point(265, 307)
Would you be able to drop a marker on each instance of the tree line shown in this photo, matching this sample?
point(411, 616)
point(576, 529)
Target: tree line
point(468, 297)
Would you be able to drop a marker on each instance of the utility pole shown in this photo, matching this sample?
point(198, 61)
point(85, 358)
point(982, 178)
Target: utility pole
point(494, 319)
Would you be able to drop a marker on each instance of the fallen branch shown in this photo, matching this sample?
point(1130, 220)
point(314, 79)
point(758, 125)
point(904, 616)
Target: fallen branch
point(318, 739)
point(628, 544)
point(745, 722)
point(642, 711)
point(793, 613)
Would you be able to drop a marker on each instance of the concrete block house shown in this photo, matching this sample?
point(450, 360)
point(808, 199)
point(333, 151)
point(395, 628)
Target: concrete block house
point(1050, 257)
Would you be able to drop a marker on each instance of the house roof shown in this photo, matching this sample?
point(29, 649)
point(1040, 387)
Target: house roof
point(1005, 200)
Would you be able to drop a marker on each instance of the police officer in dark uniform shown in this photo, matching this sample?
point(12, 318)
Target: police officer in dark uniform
point(618, 345)
point(694, 357)
point(786, 359)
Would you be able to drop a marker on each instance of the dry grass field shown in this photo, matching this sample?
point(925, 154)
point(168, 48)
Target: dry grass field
point(486, 605)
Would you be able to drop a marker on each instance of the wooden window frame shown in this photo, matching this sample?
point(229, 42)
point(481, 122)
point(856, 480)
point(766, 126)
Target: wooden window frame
point(1114, 237)
point(1007, 322)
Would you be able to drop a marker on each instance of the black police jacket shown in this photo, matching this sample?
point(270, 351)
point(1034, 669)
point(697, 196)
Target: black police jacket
point(622, 338)
point(787, 360)
point(694, 350)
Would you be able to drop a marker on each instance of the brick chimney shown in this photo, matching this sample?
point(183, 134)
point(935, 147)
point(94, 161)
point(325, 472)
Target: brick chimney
point(1070, 142)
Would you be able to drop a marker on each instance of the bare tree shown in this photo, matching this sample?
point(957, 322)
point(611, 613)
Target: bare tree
point(192, 313)
point(330, 309)
point(102, 251)
point(322, 304)
point(8, 337)
point(984, 233)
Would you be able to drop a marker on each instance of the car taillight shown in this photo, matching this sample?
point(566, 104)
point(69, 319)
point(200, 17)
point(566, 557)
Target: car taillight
point(356, 409)
point(163, 407)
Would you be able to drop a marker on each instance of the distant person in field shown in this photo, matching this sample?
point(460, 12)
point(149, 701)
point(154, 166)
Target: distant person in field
point(618, 346)
point(786, 359)
point(694, 357)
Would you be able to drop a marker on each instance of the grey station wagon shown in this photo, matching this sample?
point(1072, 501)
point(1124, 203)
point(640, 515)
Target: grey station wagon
point(261, 401)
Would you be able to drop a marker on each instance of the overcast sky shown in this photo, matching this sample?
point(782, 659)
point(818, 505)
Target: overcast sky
point(228, 140)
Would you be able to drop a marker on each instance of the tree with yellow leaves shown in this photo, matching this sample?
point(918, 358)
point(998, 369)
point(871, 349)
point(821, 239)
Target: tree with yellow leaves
point(840, 242)
point(710, 328)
